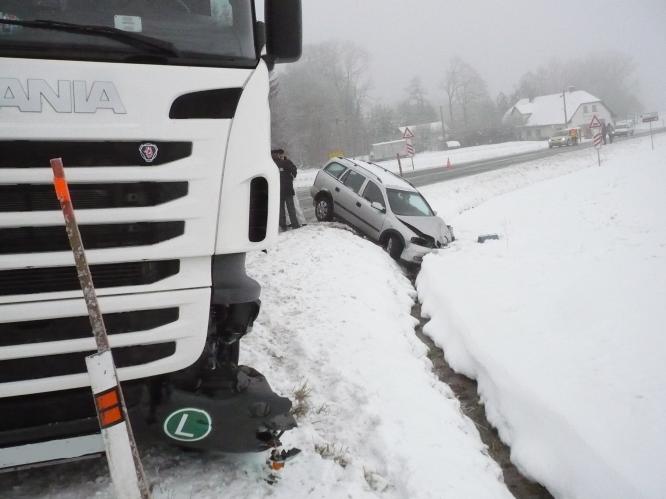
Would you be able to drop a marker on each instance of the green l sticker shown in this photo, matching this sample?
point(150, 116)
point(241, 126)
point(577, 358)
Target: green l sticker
point(188, 425)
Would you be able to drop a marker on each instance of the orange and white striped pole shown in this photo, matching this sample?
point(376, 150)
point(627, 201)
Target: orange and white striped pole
point(121, 452)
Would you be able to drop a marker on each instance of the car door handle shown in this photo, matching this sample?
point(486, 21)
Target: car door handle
point(358, 204)
point(337, 189)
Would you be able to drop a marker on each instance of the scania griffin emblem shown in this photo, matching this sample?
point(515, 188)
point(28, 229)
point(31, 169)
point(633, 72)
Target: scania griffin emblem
point(148, 152)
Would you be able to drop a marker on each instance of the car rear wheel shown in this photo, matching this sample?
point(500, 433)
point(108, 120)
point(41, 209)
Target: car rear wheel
point(393, 247)
point(324, 209)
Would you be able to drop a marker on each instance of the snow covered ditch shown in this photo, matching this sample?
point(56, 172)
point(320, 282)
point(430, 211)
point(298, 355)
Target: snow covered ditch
point(335, 333)
point(561, 321)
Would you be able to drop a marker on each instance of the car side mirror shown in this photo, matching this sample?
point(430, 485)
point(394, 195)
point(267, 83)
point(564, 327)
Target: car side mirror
point(284, 30)
point(378, 206)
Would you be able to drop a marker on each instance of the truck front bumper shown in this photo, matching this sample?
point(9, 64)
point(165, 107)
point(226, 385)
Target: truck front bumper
point(249, 419)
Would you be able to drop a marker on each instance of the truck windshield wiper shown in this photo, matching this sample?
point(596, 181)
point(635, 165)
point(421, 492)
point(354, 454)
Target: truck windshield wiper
point(129, 38)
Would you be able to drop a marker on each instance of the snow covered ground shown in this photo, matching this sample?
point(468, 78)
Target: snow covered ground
point(561, 333)
point(562, 320)
point(336, 334)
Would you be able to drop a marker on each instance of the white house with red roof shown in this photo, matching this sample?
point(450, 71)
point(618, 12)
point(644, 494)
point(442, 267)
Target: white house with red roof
point(540, 117)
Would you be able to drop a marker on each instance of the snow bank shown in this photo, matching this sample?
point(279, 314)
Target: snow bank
point(452, 198)
point(562, 320)
point(335, 331)
point(337, 317)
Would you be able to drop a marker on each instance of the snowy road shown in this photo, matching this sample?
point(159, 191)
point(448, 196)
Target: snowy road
point(427, 175)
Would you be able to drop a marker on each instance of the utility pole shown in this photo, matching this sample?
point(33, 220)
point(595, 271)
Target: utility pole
point(564, 96)
point(441, 115)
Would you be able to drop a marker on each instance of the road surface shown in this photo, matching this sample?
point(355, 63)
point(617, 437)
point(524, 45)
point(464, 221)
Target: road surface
point(426, 176)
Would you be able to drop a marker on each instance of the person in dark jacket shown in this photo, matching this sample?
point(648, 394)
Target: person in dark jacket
point(288, 173)
point(604, 131)
point(610, 130)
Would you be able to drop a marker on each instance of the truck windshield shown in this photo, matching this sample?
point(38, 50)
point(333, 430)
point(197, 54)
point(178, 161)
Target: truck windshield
point(182, 32)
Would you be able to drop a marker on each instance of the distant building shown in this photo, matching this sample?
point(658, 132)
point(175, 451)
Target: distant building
point(540, 117)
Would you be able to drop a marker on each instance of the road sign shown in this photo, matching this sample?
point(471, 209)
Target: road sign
point(597, 140)
point(649, 117)
point(407, 134)
point(595, 123)
point(597, 145)
point(410, 148)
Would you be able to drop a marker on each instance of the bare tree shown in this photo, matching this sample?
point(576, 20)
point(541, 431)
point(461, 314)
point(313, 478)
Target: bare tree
point(607, 75)
point(382, 124)
point(321, 102)
point(468, 100)
point(416, 108)
point(452, 84)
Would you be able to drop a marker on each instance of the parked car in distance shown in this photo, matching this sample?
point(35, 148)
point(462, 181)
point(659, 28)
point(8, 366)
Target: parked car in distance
point(381, 205)
point(567, 137)
point(624, 128)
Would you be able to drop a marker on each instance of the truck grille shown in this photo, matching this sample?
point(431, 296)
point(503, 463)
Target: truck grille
point(72, 328)
point(44, 409)
point(88, 154)
point(53, 279)
point(43, 239)
point(74, 363)
point(32, 197)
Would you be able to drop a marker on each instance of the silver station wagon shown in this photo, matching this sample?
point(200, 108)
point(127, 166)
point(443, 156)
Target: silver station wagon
point(386, 208)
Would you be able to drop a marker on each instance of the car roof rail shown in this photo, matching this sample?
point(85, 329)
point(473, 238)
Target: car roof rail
point(365, 169)
point(383, 168)
point(392, 173)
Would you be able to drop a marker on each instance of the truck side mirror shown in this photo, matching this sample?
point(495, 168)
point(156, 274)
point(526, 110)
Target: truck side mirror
point(284, 30)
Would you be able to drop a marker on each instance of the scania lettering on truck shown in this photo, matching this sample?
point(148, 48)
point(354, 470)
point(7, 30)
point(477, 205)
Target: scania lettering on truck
point(159, 111)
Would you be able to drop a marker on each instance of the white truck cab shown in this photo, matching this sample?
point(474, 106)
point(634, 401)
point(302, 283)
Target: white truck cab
point(159, 110)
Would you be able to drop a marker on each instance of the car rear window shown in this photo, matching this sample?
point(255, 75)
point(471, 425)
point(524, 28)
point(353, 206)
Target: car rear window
point(354, 181)
point(335, 170)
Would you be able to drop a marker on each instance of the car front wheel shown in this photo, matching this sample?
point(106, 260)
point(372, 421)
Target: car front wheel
point(324, 209)
point(393, 247)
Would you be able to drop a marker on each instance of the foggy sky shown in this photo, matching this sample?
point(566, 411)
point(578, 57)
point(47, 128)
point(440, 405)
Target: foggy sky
point(502, 40)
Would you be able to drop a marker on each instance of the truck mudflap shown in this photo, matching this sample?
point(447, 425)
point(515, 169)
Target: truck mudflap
point(246, 416)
